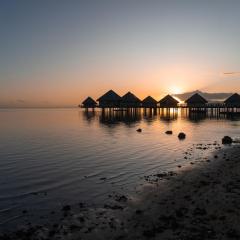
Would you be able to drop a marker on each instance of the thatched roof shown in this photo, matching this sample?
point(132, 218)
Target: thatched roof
point(149, 100)
point(234, 99)
point(89, 102)
point(110, 96)
point(130, 98)
point(196, 99)
point(168, 101)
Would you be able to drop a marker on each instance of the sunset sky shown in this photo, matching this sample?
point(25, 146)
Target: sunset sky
point(56, 53)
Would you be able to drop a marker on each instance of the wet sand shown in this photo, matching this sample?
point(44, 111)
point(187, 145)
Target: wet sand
point(200, 201)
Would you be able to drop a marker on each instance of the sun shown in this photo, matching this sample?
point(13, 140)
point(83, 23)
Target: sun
point(175, 90)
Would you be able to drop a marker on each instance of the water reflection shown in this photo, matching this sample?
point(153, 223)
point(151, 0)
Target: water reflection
point(132, 116)
point(127, 117)
point(89, 116)
point(65, 152)
point(197, 116)
point(233, 117)
point(149, 115)
point(168, 115)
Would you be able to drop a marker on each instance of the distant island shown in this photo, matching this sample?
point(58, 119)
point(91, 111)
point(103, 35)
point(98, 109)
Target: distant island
point(211, 97)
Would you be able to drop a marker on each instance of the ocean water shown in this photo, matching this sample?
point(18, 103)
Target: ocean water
point(52, 157)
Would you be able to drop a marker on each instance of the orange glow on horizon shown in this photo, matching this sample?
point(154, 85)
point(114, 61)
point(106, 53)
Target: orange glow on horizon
point(70, 88)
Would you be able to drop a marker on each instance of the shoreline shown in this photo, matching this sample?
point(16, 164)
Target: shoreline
point(198, 202)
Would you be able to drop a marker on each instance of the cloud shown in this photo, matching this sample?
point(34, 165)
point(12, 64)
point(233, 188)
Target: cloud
point(231, 73)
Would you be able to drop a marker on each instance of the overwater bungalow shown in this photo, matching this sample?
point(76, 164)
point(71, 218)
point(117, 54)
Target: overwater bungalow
point(109, 100)
point(168, 102)
point(149, 102)
point(196, 100)
point(129, 100)
point(233, 101)
point(89, 103)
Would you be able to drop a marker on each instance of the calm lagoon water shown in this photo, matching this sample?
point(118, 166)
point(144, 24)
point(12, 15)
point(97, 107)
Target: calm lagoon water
point(50, 157)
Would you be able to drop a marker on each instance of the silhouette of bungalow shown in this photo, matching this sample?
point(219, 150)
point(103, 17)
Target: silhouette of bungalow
point(196, 100)
point(130, 100)
point(149, 102)
point(109, 100)
point(233, 101)
point(89, 103)
point(168, 102)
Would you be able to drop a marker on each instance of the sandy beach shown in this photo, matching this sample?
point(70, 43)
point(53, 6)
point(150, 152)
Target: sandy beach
point(200, 201)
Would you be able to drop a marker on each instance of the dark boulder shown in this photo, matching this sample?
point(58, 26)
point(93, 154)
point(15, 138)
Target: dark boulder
point(139, 130)
point(181, 135)
point(227, 140)
point(169, 132)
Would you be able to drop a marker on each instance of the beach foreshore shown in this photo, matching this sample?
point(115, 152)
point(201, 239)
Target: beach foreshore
point(201, 201)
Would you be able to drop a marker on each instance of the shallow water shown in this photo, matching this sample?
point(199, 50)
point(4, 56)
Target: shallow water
point(50, 157)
